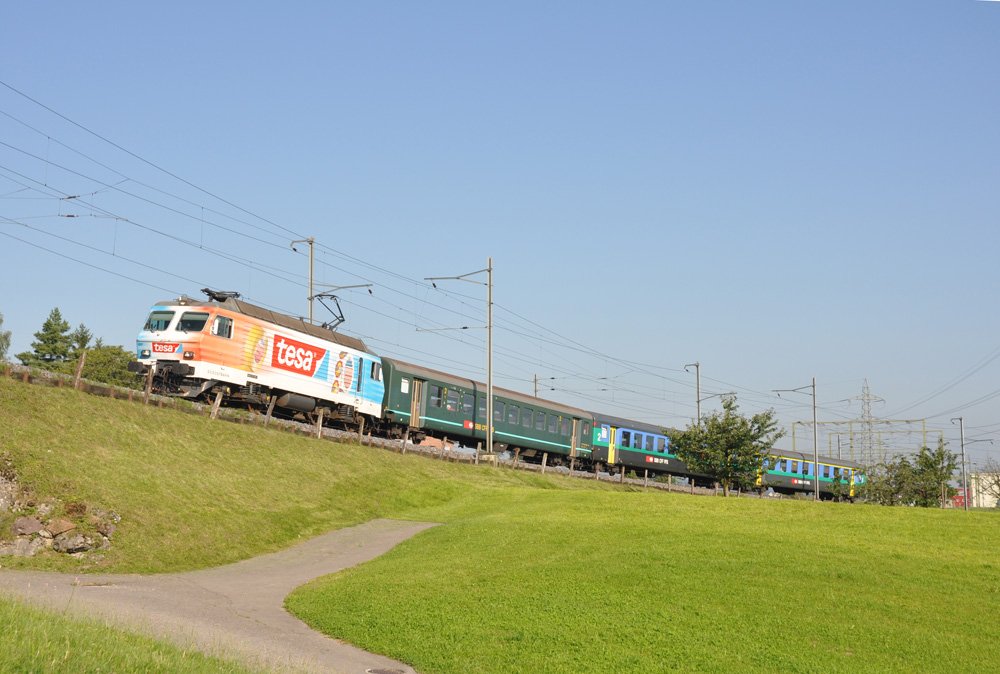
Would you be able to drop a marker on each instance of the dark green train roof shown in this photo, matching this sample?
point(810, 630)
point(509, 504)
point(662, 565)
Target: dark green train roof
point(808, 457)
point(444, 377)
point(619, 422)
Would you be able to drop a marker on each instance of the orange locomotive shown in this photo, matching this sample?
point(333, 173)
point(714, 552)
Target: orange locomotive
point(258, 357)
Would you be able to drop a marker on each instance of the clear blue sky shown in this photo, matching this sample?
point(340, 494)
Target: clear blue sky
point(779, 190)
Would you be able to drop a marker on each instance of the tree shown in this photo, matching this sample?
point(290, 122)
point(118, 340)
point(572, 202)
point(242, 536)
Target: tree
point(890, 483)
point(922, 482)
point(4, 341)
point(728, 446)
point(79, 340)
point(52, 344)
point(933, 471)
point(109, 364)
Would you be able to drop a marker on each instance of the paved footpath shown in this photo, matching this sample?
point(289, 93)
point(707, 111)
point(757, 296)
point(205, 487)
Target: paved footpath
point(234, 611)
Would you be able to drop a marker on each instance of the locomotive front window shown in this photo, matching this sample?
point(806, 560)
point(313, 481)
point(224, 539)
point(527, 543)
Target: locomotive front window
point(158, 320)
point(192, 321)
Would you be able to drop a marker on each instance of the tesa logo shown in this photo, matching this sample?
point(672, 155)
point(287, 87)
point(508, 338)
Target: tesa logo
point(161, 347)
point(295, 356)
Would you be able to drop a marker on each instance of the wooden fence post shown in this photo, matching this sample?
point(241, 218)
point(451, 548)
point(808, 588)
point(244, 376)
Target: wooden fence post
point(79, 369)
point(406, 438)
point(621, 476)
point(645, 478)
point(545, 461)
point(216, 405)
point(319, 423)
point(479, 448)
point(361, 431)
point(149, 385)
point(444, 444)
point(270, 411)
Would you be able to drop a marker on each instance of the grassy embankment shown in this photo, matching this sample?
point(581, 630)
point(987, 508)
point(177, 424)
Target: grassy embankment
point(195, 493)
point(531, 573)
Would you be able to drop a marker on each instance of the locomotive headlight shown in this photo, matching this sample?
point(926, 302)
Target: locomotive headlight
point(145, 353)
point(189, 355)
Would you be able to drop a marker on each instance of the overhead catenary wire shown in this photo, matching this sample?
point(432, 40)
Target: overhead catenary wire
point(554, 344)
point(135, 155)
point(146, 161)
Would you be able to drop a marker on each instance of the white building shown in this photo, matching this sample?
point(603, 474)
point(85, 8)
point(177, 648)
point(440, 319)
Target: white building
point(982, 495)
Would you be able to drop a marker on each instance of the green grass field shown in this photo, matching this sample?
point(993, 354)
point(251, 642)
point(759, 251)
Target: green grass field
point(655, 582)
point(529, 573)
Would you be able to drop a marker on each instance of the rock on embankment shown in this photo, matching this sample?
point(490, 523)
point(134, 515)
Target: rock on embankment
point(70, 528)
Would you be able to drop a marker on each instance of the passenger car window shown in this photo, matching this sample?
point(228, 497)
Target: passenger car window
point(435, 395)
point(539, 421)
point(625, 439)
point(467, 403)
point(526, 415)
point(498, 408)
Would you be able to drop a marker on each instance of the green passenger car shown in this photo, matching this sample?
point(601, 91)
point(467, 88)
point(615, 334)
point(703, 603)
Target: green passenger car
point(428, 402)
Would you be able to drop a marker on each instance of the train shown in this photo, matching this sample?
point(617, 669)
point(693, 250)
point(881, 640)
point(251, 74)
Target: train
point(262, 359)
